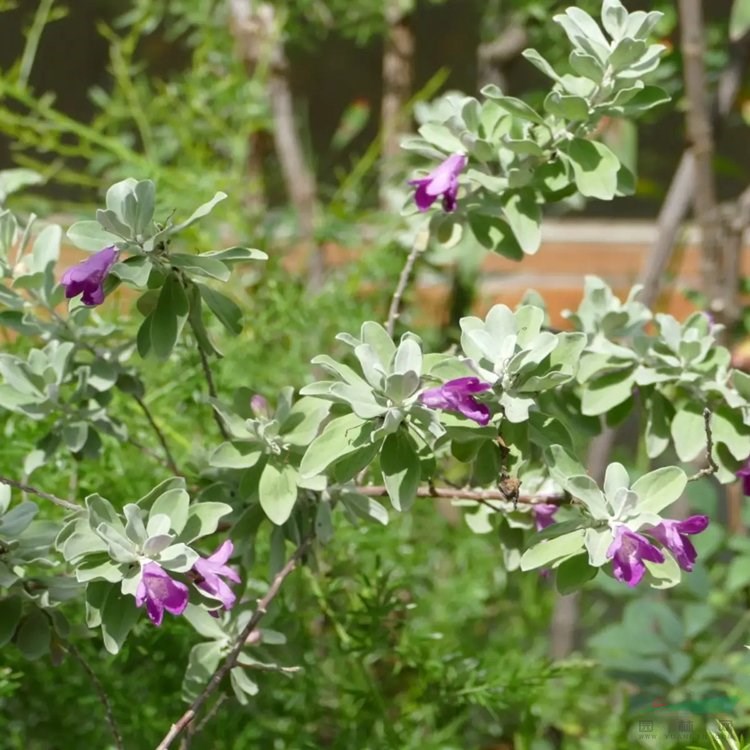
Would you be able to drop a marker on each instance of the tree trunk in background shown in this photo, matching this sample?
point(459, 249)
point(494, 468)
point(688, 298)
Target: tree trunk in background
point(260, 43)
point(494, 56)
point(398, 75)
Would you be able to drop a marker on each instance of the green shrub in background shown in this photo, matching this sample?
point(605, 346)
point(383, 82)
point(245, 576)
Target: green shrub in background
point(414, 633)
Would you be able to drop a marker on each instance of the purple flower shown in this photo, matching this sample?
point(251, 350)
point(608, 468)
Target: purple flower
point(87, 278)
point(259, 405)
point(457, 395)
point(627, 552)
point(210, 569)
point(744, 475)
point(544, 515)
point(160, 592)
point(673, 535)
point(442, 181)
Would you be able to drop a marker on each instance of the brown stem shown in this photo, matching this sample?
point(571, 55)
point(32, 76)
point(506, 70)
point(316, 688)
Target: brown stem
point(210, 383)
point(213, 684)
point(102, 693)
point(398, 74)
point(485, 497)
point(159, 434)
point(67, 504)
point(394, 312)
point(712, 468)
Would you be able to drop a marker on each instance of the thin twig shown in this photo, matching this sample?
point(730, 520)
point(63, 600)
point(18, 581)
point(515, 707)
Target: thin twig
point(101, 692)
point(192, 730)
point(159, 434)
point(205, 364)
point(67, 504)
point(480, 496)
point(184, 721)
point(420, 244)
point(712, 468)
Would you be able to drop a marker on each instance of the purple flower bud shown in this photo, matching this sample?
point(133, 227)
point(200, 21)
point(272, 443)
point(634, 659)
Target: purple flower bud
point(442, 181)
point(210, 569)
point(627, 552)
point(160, 592)
point(259, 405)
point(87, 278)
point(457, 395)
point(673, 535)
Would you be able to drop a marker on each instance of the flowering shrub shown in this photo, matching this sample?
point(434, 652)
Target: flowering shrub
point(514, 408)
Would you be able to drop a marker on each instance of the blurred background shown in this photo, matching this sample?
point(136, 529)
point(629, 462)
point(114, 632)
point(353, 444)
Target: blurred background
point(296, 109)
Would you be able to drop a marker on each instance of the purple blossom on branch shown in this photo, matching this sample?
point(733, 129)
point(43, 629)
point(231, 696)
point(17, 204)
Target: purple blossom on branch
point(159, 592)
point(442, 181)
point(627, 552)
point(87, 277)
point(673, 535)
point(211, 570)
point(458, 395)
point(744, 475)
point(544, 515)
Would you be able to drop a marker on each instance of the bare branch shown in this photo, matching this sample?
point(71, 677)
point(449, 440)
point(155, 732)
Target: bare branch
point(485, 497)
point(420, 245)
point(712, 468)
point(159, 434)
point(208, 375)
point(101, 692)
point(66, 504)
point(260, 611)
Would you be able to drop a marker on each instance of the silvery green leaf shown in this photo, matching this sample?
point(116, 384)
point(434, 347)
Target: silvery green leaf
point(688, 433)
point(626, 52)
point(227, 456)
point(377, 337)
point(100, 571)
point(344, 372)
point(90, 236)
point(584, 33)
point(585, 489)
point(615, 478)
point(594, 166)
point(303, 422)
point(203, 623)
point(553, 551)
point(235, 254)
point(277, 491)
point(365, 507)
point(178, 558)
point(174, 504)
point(200, 265)
point(524, 217)
point(400, 466)
point(586, 65)
point(203, 519)
point(623, 503)
point(4, 498)
point(372, 367)
point(479, 521)
point(399, 387)
point(361, 400)
point(408, 357)
point(158, 523)
point(199, 213)
point(660, 488)
point(441, 137)
point(156, 544)
point(516, 408)
point(597, 542)
point(135, 529)
point(145, 195)
point(120, 548)
point(111, 222)
point(13, 180)
point(17, 519)
point(667, 574)
point(540, 63)
point(614, 18)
